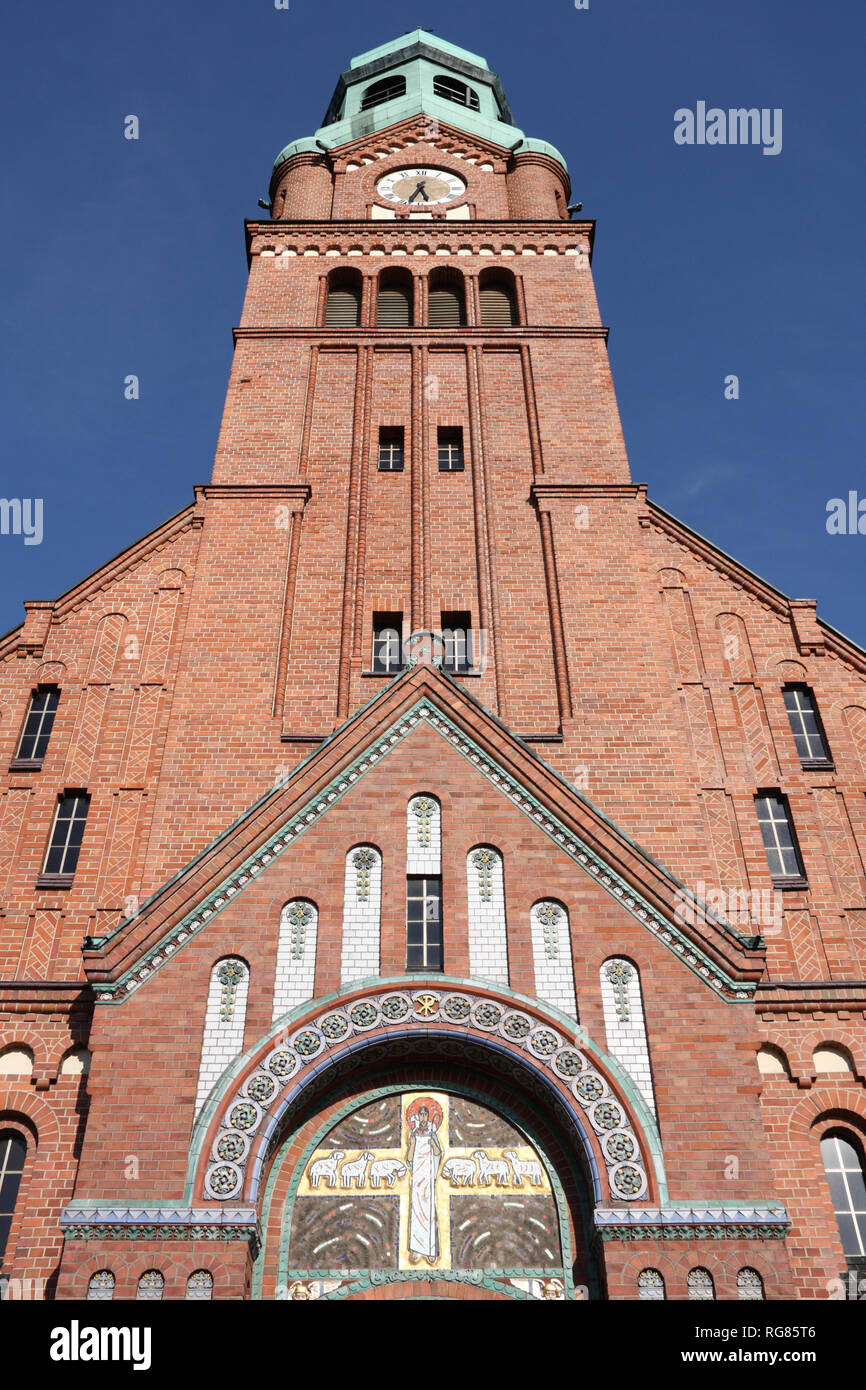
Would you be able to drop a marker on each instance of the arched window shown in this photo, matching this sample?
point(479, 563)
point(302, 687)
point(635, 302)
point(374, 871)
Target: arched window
point(452, 89)
point(394, 300)
point(343, 305)
point(446, 299)
point(100, 1286)
point(386, 89)
point(424, 945)
point(842, 1154)
point(200, 1284)
point(749, 1284)
point(700, 1283)
point(650, 1285)
point(151, 1285)
point(13, 1151)
point(498, 300)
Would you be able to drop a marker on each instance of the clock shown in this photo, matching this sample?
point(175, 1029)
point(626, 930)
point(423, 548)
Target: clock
point(420, 188)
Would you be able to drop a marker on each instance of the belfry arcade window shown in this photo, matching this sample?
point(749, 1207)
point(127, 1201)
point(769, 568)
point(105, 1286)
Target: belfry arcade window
point(497, 299)
point(452, 89)
point(343, 304)
point(446, 299)
point(842, 1155)
point(394, 300)
point(386, 89)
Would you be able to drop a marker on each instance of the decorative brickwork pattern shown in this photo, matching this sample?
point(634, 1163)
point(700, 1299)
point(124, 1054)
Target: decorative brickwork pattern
point(624, 1023)
point(485, 897)
point(225, 1017)
point(296, 956)
point(362, 903)
point(551, 955)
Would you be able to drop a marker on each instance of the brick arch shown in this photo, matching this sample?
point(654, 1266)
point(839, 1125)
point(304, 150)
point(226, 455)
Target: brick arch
point(851, 1043)
point(46, 1128)
point(127, 1263)
point(830, 1102)
point(239, 1176)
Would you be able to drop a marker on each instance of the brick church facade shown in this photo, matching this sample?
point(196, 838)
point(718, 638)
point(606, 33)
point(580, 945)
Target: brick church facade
point(427, 867)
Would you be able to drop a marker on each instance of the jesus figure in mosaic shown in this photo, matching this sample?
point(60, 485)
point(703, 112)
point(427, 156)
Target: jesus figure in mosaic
point(423, 1156)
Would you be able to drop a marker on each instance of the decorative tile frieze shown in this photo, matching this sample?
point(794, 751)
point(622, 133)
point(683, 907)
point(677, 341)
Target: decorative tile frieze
point(766, 1222)
point(79, 1222)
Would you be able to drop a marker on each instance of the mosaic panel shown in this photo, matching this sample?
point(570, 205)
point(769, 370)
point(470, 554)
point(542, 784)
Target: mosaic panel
point(504, 1233)
point(424, 1178)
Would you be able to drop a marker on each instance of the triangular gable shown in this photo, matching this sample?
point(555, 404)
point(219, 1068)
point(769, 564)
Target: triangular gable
point(121, 961)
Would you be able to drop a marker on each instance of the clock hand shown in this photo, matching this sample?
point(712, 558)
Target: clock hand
point(420, 189)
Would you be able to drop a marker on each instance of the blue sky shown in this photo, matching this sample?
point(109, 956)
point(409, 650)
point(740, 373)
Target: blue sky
point(128, 257)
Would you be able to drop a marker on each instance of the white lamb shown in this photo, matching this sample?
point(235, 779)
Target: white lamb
point(524, 1168)
point(356, 1169)
point(491, 1168)
point(388, 1168)
point(460, 1172)
point(326, 1168)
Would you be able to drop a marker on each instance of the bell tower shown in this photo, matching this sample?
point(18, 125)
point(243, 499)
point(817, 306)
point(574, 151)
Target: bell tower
point(420, 364)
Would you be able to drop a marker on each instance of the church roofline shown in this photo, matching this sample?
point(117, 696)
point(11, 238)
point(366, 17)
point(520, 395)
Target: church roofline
point(119, 962)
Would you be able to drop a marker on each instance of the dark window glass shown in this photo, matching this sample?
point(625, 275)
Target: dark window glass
point(423, 923)
point(843, 1164)
point(38, 723)
point(388, 643)
point(67, 833)
point(343, 309)
point(805, 724)
point(498, 307)
point(777, 831)
point(385, 90)
point(457, 641)
point(391, 449)
point(451, 89)
point(449, 444)
point(13, 1151)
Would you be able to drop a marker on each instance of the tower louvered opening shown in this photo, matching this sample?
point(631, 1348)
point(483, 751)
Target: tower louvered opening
point(343, 308)
point(394, 302)
point(498, 306)
point(446, 300)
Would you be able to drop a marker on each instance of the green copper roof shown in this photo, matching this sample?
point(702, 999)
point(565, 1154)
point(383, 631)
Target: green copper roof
point(418, 57)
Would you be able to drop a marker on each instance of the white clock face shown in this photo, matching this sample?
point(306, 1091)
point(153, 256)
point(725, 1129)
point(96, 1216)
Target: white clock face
point(420, 188)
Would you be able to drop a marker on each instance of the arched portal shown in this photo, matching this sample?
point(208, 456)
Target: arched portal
point(295, 1130)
